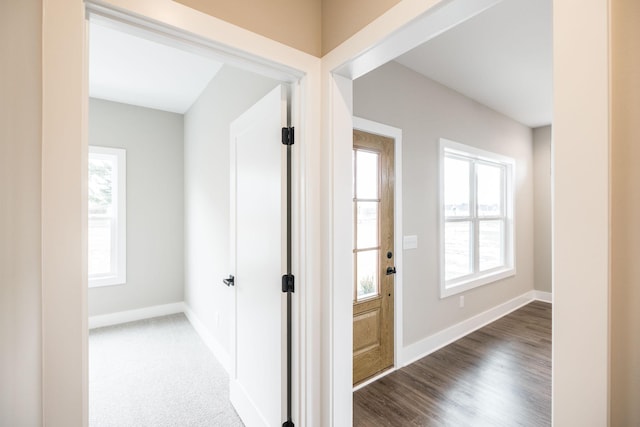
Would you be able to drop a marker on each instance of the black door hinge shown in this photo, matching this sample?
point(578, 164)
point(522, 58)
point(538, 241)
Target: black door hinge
point(287, 283)
point(287, 136)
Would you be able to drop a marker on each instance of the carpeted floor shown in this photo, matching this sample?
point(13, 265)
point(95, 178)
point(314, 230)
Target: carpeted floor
point(156, 373)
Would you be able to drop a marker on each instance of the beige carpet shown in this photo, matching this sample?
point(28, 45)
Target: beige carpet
point(156, 373)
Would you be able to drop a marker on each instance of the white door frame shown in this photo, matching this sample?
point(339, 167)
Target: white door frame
point(395, 134)
point(65, 107)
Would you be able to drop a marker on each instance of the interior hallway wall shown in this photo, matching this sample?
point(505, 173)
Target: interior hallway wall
point(206, 160)
point(542, 207)
point(20, 213)
point(313, 26)
point(426, 111)
point(342, 19)
point(625, 212)
point(295, 23)
point(153, 141)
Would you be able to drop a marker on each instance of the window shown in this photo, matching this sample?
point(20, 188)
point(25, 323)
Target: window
point(476, 225)
point(366, 203)
point(107, 216)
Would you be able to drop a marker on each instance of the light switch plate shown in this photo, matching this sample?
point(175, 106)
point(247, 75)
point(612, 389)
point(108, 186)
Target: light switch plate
point(410, 242)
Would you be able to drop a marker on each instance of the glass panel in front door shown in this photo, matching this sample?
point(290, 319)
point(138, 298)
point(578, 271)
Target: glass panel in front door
point(366, 207)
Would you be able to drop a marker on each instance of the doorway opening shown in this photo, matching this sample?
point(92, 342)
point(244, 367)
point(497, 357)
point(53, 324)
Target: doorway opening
point(377, 291)
point(429, 94)
point(373, 289)
point(170, 105)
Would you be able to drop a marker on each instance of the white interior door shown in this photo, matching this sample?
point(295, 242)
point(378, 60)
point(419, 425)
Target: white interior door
point(258, 227)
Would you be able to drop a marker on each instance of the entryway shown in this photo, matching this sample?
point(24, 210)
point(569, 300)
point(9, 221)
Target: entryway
point(373, 254)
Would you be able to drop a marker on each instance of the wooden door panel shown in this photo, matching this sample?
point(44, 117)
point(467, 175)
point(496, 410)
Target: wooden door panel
point(373, 337)
point(366, 331)
point(373, 315)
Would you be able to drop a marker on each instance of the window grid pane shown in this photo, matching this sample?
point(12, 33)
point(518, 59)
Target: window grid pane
point(491, 244)
point(367, 274)
point(101, 240)
point(456, 187)
point(367, 224)
point(100, 243)
point(367, 174)
point(102, 181)
point(457, 249)
point(489, 187)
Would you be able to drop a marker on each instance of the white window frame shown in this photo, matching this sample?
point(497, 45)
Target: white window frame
point(477, 278)
point(118, 274)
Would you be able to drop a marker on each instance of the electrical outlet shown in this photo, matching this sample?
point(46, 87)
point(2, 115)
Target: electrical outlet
point(461, 301)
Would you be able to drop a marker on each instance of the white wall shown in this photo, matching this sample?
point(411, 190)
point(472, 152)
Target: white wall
point(20, 213)
point(206, 161)
point(427, 111)
point(542, 207)
point(153, 140)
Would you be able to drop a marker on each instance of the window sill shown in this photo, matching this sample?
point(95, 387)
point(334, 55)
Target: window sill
point(106, 281)
point(447, 290)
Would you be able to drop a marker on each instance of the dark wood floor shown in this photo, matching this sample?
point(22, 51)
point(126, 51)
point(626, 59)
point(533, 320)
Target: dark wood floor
point(499, 375)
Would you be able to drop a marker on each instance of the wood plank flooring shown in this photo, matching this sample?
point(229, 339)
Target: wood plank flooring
point(497, 376)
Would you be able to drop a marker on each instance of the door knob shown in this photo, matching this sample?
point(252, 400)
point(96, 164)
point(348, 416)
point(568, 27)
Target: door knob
point(391, 270)
point(229, 281)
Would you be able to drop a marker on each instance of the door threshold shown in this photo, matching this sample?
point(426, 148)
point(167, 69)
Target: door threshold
point(374, 378)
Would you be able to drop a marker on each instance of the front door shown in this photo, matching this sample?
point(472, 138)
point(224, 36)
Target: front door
point(258, 243)
point(373, 257)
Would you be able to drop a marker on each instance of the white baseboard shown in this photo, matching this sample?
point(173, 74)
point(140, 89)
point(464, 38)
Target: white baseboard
point(428, 345)
point(245, 407)
point(210, 341)
point(543, 296)
point(375, 378)
point(133, 315)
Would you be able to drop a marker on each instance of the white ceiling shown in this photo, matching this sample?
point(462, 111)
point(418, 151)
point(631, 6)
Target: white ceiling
point(132, 70)
point(501, 58)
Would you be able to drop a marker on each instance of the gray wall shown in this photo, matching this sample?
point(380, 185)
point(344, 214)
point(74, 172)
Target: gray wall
point(542, 207)
point(155, 204)
point(20, 229)
point(206, 158)
point(427, 111)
